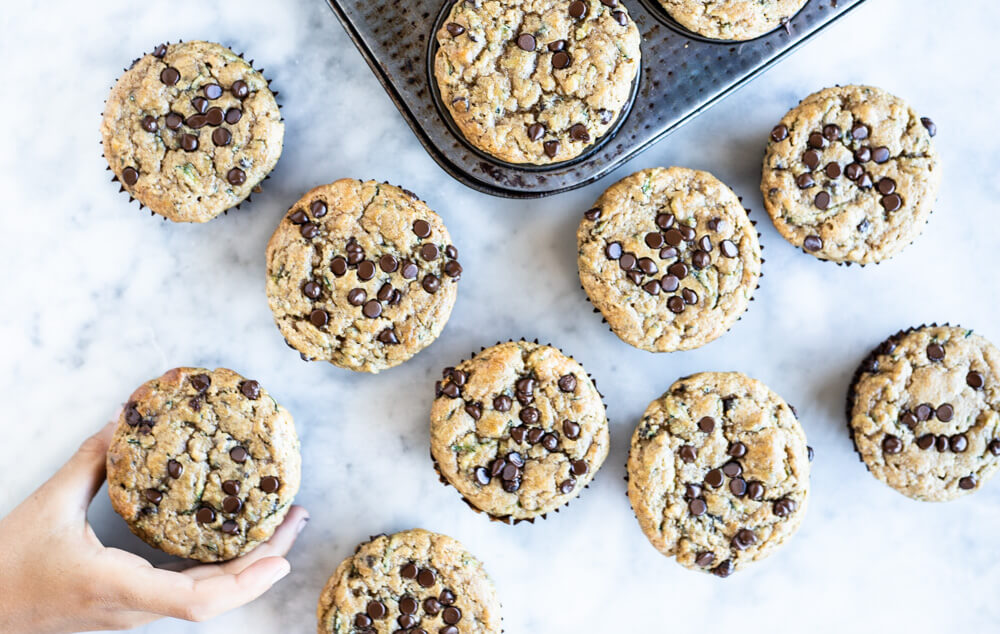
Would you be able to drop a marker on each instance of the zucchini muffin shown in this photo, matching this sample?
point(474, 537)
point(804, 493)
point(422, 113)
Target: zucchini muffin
point(414, 581)
point(519, 430)
point(718, 472)
point(190, 130)
point(669, 257)
point(732, 19)
point(361, 274)
point(203, 464)
point(536, 81)
point(851, 174)
point(924, 412)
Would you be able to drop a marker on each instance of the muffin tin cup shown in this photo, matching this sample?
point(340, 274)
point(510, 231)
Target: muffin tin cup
point(681, 75)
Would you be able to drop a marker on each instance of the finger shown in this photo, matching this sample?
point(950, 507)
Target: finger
point(174, 594)
point(279, 545)
point(78, 481)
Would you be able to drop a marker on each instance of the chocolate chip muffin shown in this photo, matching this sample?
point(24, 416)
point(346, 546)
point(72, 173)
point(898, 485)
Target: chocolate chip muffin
point(732, 19)
point(924, 412)
point(851, 175)
point(415, 581)
point(190, 130)
point(361, 274)
point(669, 257)
point(536, 81)
point(718, 472)
point(204, 464)
point(519, 430)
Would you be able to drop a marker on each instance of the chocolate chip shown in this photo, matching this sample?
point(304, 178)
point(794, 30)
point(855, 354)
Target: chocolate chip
point(687, 453)
point(805, 180)
point(231, 487)
point(697, 507)
point(189, 142)
point(559, 45)
point(231, 504)
point(613, 251)
point(529, 415)
point(744, 539)
point(451, 615)
point(594, 213)
point(822, 200)
point(526, 42)
point(173, 121)
point(551, 147)
point(454, 29)
point(675, 304)
point(152, 495)
point(620, 17)
point(160, 50)
point(738, 487)
point(974, 380)
point(779, 132)
point(831, 132)
point(935, 352)
point(811, 159)
point(567, 486)
point(432, 606)
point(250, 389)
point(994, 447)
point(535, 436)
point(578, 132)
point(924, 411)
point(968, 482)
point(666, 221)
point(627, 261)
point(205, 515)
point(431, 283)
point(926, 441)
point(863, 154)
point(714, 478)
point(408, 571)
point(958, 443)
point(892, 202)
point(705, 244)
point(816, 140)
point(652, 287)
point(269, 484)
point(214, 116)
point(425, 578)
point(686, 232)
point(670, 283)
point(213, 91)
point(732, 469)
point(221, 137)
point(859, 131)
point(945, 412)
point(737, 450)
point(700, 260)
point(908, 419)
point(240, 89)
point(706, 424)
point(502, 403)
point(550, 442)
point(853, 171)
point(567, 383)
point(724, 569)
point(833, 170)
point(930, 125)
point(728, 249)
point(678, 269)
point(784, 507)
point(429, 252)
point(704, 559)
point(880, 154)
point(536, 131)
point(865, 182)
point(561, 60)
point(571, 430)
point(170, 76)
point(319, 317)
point(366, 270)
point(891, 444)
point(408, 270)
point(371, 309)
point(689, 296)
point(812, 243)
point(407, 604)
point(577, 9)
point(755, 490)
point(236, 176)
point(174, 468)
point(130, 176)
point(233, 115)
point(647, 266)
point(238, 454)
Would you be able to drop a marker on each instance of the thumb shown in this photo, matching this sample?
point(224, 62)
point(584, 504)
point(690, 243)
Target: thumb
point(77, 481)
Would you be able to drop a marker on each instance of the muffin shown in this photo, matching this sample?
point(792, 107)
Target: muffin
point(361, 274)
point(851, 175)
point(732, 19)
point(414, 581)
point(190, 130)
point(203, 464)
point(536, 81)
point(519, 429)
point(718, 472)
point(669, 257)
point(923, 411)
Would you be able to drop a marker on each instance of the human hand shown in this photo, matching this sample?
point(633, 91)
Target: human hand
point(56, 576)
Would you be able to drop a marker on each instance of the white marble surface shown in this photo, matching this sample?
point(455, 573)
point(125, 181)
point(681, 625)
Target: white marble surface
point(98, 297)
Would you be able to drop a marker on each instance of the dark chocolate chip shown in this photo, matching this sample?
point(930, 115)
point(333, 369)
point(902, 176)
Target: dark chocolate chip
point(233, 115)
point(561, 60)
point(238, 454)
point(811, 159)
point(454, 29)
point(431, 283)
point(930, 125)
point(833, 170)
point(551, 147)
point(526, 42)
point(240, 89)
point(880, 154)
point(536, 131)
point(892, 444)
point(779, 132)
point(822, 200)
point(831, 132)
point(269, 484)
point(714, 478)
point(170, 76)
point(250, 389)
point(945, 412)
point(152, 495)
point(502, 403)
point(567, 383)
point(935, 352)
point(812, 243)
point(687, 453)
point(236, 176)
point(221, 137)
point(577, 9)
point(578, 132)
point(859, 131)
point(974, 380)
point(231, 504)
point(571, 430)
point(174, 468)
point(319, 317)
point(706, 424)
point(697, 507)
point(968, 482)
point(728, 249)
point(231, 487)
point(205, 515)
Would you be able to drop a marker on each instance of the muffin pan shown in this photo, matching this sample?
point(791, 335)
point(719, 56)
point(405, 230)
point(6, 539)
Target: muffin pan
point(682, 74)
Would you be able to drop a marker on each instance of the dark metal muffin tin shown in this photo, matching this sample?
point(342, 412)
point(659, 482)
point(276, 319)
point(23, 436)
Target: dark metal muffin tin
point(681, 75)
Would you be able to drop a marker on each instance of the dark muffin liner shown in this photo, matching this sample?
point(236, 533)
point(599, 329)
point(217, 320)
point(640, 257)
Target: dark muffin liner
point(507, 519)
point(597, 310)
point(869, 365)
point(257, 189)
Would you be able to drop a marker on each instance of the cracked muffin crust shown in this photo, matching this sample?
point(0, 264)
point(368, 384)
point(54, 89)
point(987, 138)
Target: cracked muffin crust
point(519, 430)
point(536, 81)
point(732, 19)
point(414, 581)
point(203, 464)
point(924, 412)
point(669, 257)
point(718, 472)
point(190, 130)
point(361, 274)
point(851, 174)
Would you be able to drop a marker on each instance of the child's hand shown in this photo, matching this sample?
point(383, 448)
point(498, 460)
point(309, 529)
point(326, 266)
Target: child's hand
point(56, 576)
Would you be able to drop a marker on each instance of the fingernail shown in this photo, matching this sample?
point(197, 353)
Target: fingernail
point(281, 573)
point(302, 524)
